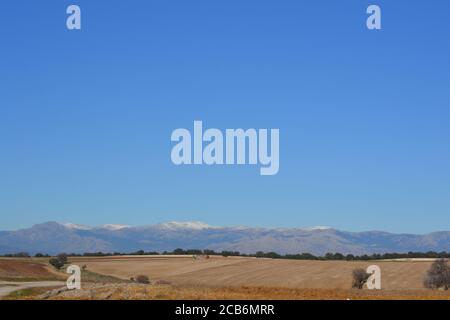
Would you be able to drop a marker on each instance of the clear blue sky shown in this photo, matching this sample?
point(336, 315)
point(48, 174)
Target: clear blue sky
point(364, 117)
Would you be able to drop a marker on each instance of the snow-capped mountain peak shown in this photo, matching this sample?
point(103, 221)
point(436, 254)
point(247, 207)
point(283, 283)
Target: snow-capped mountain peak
point(114, 227)
point(75, 226)
point(318, 228)
point(111, 227)
point(194, 225)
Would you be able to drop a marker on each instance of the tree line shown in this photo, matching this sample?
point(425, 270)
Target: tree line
point(259, 254)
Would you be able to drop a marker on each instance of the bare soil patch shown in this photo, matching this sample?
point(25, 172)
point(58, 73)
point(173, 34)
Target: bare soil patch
point(25, 270)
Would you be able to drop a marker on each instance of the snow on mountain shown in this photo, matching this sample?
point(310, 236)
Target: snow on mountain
point(75, 226)
point(111, 227)
point(194, 225)
point(114, 227)
point(318, 228)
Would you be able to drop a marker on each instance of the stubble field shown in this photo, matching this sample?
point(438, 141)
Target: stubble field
point(240, 271)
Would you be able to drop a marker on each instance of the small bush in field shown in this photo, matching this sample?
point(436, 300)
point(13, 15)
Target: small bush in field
point(142, 279)
point(360, 277)
point(55, 262)
point(62, 257)
point(438, 276)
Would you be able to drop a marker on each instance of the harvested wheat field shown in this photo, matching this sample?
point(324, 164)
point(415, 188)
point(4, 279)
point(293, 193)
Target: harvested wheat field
point(252, 272)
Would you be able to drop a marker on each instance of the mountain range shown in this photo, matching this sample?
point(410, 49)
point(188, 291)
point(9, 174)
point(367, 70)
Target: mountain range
point(53, 238)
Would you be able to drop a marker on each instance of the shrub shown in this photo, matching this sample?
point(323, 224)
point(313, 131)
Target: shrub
point(360, 277)
point(438, 276)
point(62, 257)
point(142, 279)
point(57, 263)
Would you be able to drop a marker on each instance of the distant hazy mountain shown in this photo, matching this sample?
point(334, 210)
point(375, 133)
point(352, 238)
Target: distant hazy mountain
point(52, 237)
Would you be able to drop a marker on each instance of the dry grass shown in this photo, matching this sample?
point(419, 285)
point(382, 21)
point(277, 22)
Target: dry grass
point(148, 292)
point(27, 294)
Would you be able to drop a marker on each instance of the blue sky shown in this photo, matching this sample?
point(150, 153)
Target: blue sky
point(364, 116)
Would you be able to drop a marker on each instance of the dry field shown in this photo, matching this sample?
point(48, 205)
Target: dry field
point(167, 292)
point(26, 270)
point(181, 277)
point(252, 272)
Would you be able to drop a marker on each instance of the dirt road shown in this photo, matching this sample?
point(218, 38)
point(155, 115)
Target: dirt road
point(7, 287)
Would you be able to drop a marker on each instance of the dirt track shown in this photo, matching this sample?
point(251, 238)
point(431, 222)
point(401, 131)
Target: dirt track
point(8, 287)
